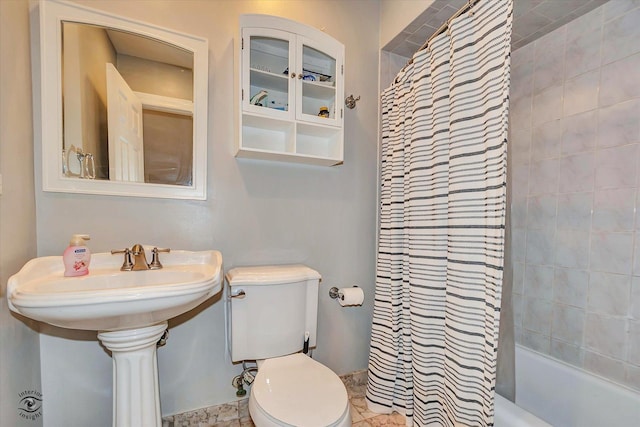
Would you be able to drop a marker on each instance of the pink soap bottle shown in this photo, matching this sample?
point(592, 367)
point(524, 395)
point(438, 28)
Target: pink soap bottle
point(77, 256)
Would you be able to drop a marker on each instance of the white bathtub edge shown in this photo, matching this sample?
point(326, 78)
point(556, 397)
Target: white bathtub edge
point(565, 395)
point(508, 414)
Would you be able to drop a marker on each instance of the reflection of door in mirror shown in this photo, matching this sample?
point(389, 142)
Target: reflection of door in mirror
point(159, 75)
point(124, 118)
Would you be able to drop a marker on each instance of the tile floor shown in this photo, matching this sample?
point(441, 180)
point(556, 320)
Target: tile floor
point(236, 414)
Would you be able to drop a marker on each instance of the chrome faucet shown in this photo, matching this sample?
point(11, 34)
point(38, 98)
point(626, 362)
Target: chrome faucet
point(139, 260)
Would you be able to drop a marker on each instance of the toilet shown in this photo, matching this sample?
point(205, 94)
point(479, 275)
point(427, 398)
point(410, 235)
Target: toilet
point(272, 316)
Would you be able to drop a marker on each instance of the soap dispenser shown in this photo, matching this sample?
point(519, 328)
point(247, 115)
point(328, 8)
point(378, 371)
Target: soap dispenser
point(77, 256)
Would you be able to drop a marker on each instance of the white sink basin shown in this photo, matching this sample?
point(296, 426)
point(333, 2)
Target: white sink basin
point(109, 299)
point(130, 310)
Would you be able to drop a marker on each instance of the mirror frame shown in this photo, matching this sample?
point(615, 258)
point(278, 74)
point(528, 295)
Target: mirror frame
point(47, 93)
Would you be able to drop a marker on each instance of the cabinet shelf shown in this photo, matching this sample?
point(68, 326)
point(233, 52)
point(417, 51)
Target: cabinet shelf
point(315, 96)
point(266, 133)
point(319, 141)
point(269, 81)
point(318, 90)
point(258, 154)
point(271, 139)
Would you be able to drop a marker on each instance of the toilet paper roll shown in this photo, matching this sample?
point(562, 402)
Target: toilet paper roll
point(350, 296)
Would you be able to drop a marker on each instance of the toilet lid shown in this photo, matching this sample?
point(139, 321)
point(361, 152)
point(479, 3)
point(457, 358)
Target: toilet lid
point(299, 391)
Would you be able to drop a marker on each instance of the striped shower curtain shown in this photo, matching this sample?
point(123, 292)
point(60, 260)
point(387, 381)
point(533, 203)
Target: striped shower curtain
point(442, 214)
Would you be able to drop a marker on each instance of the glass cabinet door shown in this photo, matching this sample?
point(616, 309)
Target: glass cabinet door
point(267, 81)
point(317, 83)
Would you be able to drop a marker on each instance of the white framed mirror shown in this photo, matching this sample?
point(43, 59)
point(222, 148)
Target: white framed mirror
point(121, 107)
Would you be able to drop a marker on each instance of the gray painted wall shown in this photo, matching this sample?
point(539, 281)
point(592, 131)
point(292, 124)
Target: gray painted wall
point(256, 213)
point(19, 346)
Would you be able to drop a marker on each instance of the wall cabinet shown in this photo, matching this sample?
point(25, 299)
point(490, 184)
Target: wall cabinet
point(291, 92)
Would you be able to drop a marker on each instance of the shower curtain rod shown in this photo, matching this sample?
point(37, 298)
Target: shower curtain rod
point(467, 6)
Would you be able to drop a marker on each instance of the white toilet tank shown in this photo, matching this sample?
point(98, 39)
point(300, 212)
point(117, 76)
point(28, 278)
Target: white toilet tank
point(270, 308)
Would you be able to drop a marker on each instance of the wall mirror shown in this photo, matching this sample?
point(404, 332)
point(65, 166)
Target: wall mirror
point(123, 105)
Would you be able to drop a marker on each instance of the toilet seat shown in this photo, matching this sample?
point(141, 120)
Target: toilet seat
point(296, 390)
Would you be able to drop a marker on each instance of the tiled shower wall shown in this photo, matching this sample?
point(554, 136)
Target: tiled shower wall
point(575, 154)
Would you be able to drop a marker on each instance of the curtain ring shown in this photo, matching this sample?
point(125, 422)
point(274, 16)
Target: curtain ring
point(471, 3)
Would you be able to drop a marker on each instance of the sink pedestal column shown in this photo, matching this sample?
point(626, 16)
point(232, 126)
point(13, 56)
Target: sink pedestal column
point(136, 397)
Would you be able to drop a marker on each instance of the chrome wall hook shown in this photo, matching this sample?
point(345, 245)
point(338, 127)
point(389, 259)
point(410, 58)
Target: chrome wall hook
point(350, 102)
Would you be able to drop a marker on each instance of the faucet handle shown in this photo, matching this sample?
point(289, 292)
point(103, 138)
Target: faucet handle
point(155, 259)
point(127, 265)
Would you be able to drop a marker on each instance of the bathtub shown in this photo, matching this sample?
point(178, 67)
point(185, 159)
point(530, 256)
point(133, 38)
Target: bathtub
point(564, 396)
point(508, 414)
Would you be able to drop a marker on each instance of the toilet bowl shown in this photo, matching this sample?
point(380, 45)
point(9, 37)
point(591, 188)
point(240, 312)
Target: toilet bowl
point(296, 390)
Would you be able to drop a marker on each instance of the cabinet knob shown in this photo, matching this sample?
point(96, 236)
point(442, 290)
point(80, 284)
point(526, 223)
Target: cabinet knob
point(293, 75)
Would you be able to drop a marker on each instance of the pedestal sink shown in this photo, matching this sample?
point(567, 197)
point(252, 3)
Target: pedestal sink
point(129, 309)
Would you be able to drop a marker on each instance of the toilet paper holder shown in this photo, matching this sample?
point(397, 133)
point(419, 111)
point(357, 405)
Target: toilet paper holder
point(334, 292)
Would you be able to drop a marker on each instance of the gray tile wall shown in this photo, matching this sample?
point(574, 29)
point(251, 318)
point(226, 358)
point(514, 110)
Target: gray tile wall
point(575, 151)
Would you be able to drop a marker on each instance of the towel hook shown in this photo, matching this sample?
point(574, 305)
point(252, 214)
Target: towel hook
point(350, 102)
